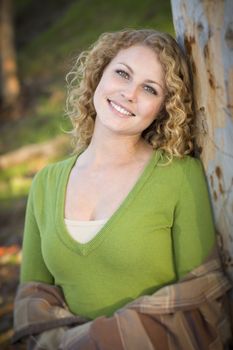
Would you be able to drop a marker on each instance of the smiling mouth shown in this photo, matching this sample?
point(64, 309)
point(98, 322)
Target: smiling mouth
point(120, 109)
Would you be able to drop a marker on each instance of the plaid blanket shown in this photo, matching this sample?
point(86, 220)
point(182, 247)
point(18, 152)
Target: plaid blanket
point(192, 314)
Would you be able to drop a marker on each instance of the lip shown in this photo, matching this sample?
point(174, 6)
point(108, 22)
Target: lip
point(118, 104)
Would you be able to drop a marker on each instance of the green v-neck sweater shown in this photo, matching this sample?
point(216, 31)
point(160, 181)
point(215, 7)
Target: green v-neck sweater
point(162, 230)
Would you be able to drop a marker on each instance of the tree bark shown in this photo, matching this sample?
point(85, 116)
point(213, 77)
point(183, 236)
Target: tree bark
point(204, 29)
point(10, 87)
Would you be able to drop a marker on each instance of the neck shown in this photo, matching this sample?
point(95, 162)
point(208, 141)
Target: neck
point(109, 147)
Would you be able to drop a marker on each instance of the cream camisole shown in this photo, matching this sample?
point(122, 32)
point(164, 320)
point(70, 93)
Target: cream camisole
point(84, 231)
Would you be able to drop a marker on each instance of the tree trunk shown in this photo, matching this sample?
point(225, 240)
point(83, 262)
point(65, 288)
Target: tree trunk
point(204, 29)
point(10, 87)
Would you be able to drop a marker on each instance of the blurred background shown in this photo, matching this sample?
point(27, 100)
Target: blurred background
point(39, 41)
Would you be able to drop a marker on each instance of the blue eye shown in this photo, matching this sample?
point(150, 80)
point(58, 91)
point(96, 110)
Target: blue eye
point(122, 73)
point(150, 90)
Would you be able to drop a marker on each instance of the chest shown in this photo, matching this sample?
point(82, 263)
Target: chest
point(97, 195)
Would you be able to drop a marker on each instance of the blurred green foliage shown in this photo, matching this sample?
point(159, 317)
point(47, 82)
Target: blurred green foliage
point(82, 23)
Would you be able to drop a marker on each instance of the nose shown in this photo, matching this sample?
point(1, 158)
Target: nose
point(129, 93)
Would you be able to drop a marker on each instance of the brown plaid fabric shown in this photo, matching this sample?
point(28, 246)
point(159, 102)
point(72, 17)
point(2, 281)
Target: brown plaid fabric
point(192, 314)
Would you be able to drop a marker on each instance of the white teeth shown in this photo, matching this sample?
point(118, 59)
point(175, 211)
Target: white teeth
point(120, 109)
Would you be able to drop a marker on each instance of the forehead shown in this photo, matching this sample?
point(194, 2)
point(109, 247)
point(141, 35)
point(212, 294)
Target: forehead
point(136, 51)
point(139, 57)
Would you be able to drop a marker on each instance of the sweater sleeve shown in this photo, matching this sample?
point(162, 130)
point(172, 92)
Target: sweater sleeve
point(33, 267)
point(193, 228)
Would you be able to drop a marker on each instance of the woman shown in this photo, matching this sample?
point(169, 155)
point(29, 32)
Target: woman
point(119, 245)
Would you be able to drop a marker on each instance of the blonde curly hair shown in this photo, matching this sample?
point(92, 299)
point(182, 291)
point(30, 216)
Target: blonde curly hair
point(172, 130)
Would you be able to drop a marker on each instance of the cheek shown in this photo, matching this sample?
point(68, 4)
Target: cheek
point(97, 95)
point(100, 91)
point(152, 110)
point(159, 105)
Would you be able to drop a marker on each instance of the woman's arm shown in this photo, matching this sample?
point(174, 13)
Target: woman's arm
point(34, 270)
point(33, 267)
point(193, 231)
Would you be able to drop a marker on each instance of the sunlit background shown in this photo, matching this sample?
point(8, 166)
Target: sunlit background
point(41, 41)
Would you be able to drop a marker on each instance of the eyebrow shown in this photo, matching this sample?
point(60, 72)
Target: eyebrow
point(147, 81)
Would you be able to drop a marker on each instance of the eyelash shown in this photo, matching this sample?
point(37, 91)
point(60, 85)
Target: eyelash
point(123, 74)
point(150, 90)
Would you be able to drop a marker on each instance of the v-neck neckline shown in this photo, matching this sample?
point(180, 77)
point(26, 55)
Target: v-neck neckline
point(86, 248)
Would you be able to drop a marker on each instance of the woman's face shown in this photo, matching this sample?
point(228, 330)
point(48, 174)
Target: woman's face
point(131, 91)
